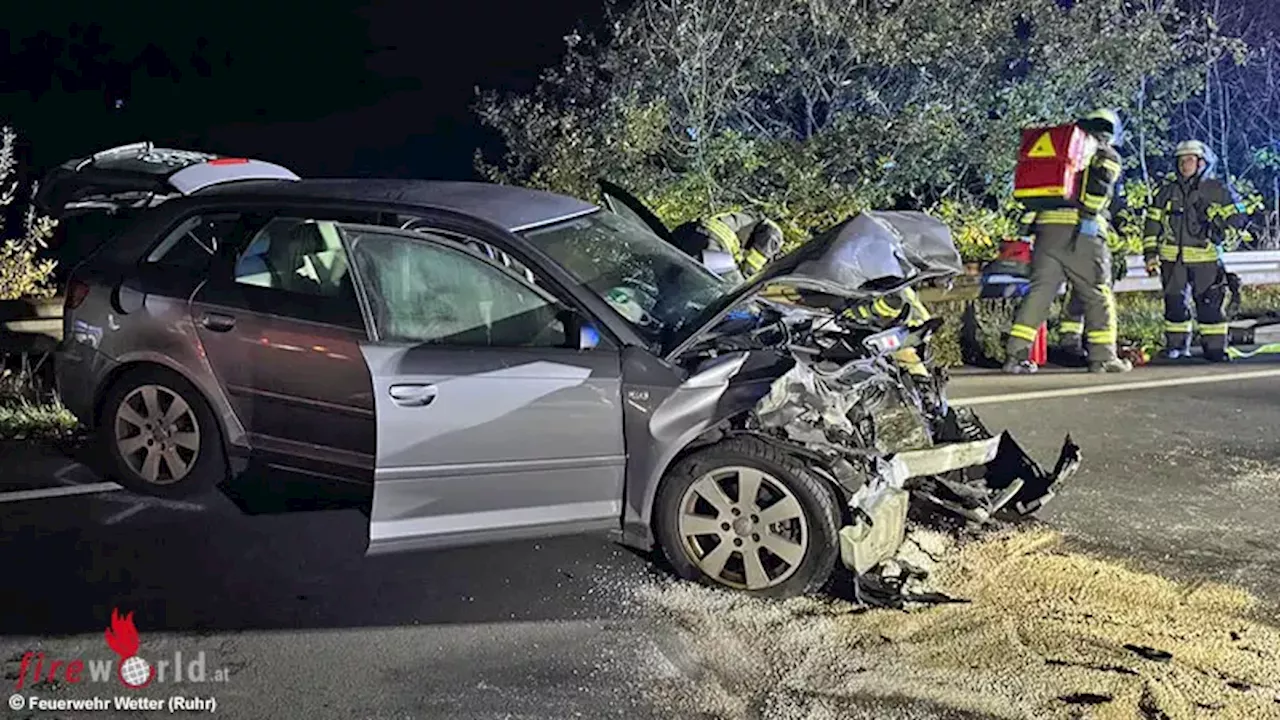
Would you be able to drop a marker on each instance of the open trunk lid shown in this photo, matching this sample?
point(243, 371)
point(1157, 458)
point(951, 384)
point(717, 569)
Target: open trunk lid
point(140, 174)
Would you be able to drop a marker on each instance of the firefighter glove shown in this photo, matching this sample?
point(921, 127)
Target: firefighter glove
point(1153, 264)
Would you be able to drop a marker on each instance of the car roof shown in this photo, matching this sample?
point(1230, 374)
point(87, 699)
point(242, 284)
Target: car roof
point(509, 207)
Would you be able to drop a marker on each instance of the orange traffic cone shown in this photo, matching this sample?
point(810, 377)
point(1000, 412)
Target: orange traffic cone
point(1039, 352)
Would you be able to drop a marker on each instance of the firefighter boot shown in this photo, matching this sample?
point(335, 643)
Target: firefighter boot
point(1114, 365)
point(1020, 366)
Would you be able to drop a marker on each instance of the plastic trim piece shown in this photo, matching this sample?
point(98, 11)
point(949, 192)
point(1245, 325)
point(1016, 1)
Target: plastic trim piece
point(206, 174)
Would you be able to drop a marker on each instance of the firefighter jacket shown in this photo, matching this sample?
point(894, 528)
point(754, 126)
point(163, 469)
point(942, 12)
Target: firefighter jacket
point(1115, 242)
point(1097, 189)
point(1188, 219)
point(887, 308)
point(751, 242)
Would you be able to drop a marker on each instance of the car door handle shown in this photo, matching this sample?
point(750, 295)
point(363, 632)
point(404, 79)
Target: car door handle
point(217, 322)
point(413, 395)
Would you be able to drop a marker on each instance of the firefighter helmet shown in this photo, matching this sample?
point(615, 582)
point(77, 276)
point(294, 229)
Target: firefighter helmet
point(766, 238)
point(1104, 121)
point(1192, 147)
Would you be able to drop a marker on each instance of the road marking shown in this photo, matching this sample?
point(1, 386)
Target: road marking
point(59, 492)
point(1118, 387)
point(132, 510)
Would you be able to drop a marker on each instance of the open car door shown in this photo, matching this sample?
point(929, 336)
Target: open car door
point(625, 204)
point(499, 413)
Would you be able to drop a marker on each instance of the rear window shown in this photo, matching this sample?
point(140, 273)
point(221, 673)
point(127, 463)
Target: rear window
point(192, 245)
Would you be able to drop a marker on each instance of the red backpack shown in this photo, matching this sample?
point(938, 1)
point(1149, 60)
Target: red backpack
point(1050, 163)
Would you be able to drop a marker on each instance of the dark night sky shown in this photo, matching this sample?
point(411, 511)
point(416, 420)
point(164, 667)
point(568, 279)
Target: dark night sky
point(327, 88)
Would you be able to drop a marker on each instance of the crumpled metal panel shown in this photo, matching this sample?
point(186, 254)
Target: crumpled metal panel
point(803, 405)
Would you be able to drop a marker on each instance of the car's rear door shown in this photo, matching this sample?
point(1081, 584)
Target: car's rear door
point(280, 325)
point(492, 424)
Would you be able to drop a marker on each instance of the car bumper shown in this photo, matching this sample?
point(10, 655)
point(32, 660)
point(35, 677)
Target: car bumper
point(1011, 477)
point(78, 370)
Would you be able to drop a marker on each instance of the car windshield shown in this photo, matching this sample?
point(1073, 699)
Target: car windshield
point(652, 284)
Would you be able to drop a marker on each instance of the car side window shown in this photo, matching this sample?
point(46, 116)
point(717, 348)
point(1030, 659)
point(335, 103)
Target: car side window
point(435, 290)
point(481, 247)
point(297, 256)
point(194, 243)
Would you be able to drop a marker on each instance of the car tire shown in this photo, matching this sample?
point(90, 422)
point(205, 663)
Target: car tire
point(682, 509)
point(192, 436)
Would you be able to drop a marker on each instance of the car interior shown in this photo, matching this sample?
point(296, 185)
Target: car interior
point(298, 256)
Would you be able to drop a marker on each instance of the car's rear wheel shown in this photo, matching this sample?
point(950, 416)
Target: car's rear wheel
point(741, 514)
point(160, 436)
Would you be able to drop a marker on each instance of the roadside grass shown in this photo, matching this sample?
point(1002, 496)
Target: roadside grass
point(23, 420)
point(29, 409)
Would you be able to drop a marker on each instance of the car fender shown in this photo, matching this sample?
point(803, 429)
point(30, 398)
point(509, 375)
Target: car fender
point(662, 420)
point(233, 431)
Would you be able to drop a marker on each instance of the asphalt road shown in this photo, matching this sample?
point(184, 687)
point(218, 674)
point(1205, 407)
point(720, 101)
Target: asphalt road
point(1181, 479)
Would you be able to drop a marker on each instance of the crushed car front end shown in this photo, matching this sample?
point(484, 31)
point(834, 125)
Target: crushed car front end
point(844, 404)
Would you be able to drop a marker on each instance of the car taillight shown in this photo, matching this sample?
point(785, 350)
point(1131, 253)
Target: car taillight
point(77, 291)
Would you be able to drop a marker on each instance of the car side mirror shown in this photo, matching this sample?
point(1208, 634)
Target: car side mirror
point(579, 332)
point(720, 263)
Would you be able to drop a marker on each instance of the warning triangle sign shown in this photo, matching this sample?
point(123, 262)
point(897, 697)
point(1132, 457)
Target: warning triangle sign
point(1043, 148)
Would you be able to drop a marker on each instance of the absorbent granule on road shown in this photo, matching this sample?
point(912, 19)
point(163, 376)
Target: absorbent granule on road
point(1047, 633)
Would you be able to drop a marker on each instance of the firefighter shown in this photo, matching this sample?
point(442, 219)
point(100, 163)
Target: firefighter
point(886, 310)
point(1070, 246)
point(751, 242)
point(1071, 329)
point(1182, 241)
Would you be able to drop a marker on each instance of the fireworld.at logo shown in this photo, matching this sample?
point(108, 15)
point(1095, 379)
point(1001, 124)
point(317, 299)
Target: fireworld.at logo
point(122, 637)
point(133, 671)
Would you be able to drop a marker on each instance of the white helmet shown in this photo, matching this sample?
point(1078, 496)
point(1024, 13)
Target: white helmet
point(1192, 147)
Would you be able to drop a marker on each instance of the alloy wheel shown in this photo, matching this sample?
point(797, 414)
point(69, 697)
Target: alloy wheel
point(157, 434)
point(743, 528)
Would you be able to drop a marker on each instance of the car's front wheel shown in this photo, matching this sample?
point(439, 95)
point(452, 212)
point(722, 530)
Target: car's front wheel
point(741, 514)
point(160, 436)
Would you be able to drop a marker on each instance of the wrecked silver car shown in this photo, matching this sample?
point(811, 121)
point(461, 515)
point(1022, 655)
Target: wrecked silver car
point(823, 437)
point(472, 363)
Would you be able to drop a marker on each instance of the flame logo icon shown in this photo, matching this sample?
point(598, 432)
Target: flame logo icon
point(122, 638)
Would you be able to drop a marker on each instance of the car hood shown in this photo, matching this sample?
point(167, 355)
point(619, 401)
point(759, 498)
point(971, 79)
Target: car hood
point(872, 254)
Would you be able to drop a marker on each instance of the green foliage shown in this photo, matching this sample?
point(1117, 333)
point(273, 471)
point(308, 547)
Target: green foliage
point(22, 272)
point(992, 319)
point(1259, 299)
point(1140, 317)
point(29, 408)
point(1131, 217)
point(978, 230)
point(24, 421)
point(807, 111)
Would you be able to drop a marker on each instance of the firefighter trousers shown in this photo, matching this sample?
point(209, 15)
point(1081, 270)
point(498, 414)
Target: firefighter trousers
point(1083, 261)
point(1071, 329)
point(1206, 283)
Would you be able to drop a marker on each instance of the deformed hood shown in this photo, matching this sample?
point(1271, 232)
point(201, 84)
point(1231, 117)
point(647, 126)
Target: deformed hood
point(872, 254)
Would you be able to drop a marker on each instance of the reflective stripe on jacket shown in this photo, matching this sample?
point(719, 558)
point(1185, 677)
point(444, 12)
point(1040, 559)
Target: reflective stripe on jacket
point(1190, 216)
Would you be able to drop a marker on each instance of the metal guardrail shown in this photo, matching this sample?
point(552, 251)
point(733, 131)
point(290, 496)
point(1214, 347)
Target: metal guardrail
point(1260, 267)
point(1254, 268)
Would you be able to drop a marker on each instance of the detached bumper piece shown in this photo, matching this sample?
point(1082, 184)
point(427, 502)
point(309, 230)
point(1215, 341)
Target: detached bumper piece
point(879, 528)
point(1012, 466)
point(980, 478)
